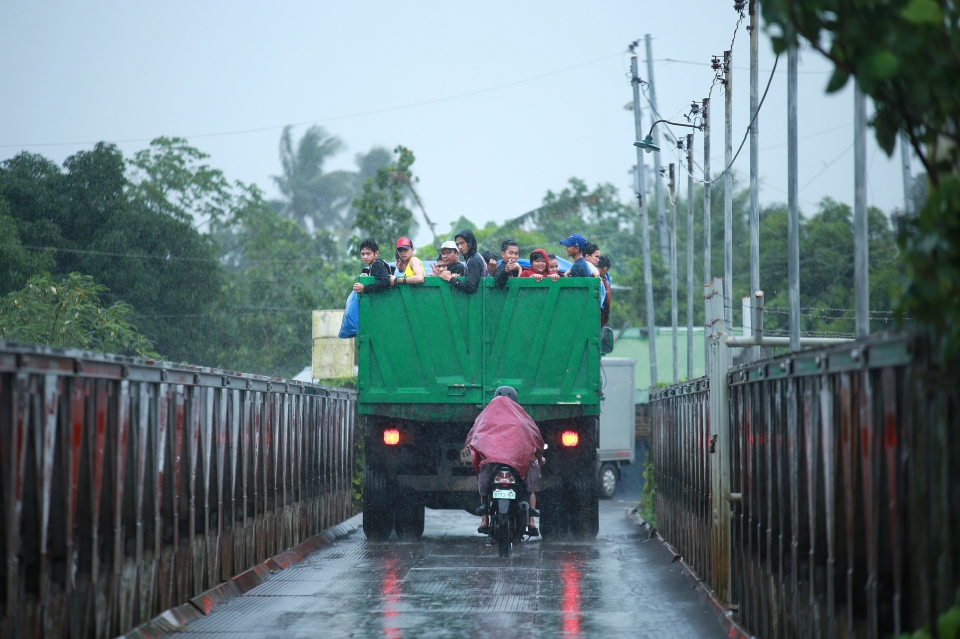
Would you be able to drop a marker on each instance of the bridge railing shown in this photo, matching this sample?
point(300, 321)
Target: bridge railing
point(130, 487)
point(842, 494)
point(680, 430)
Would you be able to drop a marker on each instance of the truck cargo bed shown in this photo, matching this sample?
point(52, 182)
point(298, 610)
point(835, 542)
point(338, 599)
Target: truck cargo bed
point(429, 352)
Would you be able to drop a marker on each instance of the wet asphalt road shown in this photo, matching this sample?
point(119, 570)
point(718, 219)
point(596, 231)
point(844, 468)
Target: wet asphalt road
point(451, 584)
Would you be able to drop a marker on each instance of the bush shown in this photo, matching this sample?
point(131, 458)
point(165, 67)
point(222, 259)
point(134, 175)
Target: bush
point(646, 506)
point(68, 314)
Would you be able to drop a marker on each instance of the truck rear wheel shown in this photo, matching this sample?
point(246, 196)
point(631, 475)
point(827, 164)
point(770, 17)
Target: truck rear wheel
point(585, 517)
point(554, 514)
point(377, 505)
point(408, 520)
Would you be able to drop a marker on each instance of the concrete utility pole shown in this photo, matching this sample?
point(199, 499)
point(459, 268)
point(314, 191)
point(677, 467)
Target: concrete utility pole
point(658, 184)
point(690, 256)
point(861, 248)
point(907, 178)
point(754, 158)
point(728, 194)
point(673, 269)
point(793, 210)
point(644, 224)
point(707, 243)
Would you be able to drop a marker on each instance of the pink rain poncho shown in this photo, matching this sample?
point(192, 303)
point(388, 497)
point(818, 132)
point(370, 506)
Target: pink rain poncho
point(503, 433)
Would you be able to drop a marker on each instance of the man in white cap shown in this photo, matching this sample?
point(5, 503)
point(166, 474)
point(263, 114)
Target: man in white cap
point(449, 260)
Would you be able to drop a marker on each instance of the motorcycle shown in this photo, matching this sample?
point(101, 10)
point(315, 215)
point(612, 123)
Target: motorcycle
point(509, 509)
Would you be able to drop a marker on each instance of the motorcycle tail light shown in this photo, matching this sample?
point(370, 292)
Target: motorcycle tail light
point(570, 438)
point(504, 477)
point(391, 437)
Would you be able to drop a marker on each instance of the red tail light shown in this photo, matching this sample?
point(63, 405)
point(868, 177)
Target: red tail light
point(504, 477)
point(391, 437)
point(570, 438)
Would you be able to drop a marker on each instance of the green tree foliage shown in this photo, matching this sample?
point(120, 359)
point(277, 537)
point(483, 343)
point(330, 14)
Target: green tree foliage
point(17, 262)
point(91, 220)
point(168, 178)
point(210, 272)
point(381, 211)
point(68, 313)
point(905, 54)
point(826, 267)
point(277, 273)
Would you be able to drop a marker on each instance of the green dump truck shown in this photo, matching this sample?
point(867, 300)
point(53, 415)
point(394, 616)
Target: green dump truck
point(431, 358)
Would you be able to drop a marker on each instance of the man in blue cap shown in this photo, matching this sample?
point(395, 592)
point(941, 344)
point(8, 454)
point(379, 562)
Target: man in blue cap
point(575, 245)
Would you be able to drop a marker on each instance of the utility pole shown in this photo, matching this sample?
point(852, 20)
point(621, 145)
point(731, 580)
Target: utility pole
point(658, 185)
point(907, 178)
point(707, 239)
point(793, 210)
point(728, 196)
point(754, 159)
point(673, 269)
point(861, 248)
point(690, 256)
point(644, 224)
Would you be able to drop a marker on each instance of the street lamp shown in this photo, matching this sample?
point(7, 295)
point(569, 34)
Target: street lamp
point(647, 143)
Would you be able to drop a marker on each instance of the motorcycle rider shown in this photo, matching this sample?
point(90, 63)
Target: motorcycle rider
point(512, 438)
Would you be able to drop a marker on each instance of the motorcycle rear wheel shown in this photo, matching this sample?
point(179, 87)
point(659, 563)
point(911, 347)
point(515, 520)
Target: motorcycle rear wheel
point(504, 534)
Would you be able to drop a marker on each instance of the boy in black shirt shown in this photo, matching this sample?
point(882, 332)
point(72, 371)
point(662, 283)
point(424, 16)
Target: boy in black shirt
point(377, 268)
point(509, 267)
point(473, 268)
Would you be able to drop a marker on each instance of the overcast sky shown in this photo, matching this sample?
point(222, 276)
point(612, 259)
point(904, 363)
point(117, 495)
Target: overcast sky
point(499, 101)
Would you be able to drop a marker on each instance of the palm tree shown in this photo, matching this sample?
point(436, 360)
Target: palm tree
point(322, 198)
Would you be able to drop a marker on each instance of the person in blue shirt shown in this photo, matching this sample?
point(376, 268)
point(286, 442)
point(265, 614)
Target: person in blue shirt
point(575, 245)
point(604, 265)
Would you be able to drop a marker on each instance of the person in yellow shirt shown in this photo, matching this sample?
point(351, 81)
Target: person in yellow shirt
point(409, 266)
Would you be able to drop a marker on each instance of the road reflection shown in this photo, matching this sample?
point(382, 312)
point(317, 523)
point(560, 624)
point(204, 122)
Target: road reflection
point(390, 597)
point(570, 597)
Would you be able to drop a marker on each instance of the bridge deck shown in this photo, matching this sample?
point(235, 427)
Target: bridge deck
point(452, 584)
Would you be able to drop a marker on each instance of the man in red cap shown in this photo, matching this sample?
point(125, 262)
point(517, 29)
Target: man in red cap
point(409, 266)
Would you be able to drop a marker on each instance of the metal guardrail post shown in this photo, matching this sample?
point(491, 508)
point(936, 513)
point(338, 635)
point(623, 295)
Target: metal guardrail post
point(720, 435)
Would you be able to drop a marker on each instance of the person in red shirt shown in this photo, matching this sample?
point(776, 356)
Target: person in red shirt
point(539, 267)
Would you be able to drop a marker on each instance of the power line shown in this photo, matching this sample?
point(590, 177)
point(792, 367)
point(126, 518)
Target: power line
point(707, 64)
point(339, 117)
point(144, 256)
point(807, 137)
point(226, 312)
point(826, 167)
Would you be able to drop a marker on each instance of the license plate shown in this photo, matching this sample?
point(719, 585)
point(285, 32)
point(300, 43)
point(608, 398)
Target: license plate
point(504, 494)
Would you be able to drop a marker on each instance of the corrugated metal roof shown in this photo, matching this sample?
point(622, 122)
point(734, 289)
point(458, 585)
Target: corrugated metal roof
point(634, 344)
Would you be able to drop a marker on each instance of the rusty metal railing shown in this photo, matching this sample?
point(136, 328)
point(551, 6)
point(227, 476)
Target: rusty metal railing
point(681, 459)
point(844, 495)
point(130, 487)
